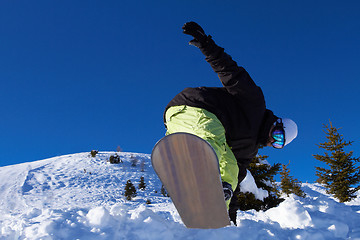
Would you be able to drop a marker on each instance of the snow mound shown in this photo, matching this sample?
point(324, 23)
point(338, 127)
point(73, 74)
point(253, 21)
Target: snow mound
point(79, 197)
point(98, 216)
point(290, 214)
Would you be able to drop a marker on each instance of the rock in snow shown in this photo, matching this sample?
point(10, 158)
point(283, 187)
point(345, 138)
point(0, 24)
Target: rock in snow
point(79, 197)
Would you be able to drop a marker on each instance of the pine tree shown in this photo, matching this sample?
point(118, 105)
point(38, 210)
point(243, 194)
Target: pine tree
point(93, 153)
point(142, 184)
point(130, 190)
point(289, 184)
point(342, 178)
point(115, 159)
point(263, 174)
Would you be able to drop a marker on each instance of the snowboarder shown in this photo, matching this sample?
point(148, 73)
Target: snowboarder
point(233, 118)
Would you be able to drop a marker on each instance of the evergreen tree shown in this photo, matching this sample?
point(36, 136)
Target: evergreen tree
point(115, 159)
point(93, 153)
point(263, 174)
point(142, 184)
point(342, 178)
point(289, 184)
point(130, 190)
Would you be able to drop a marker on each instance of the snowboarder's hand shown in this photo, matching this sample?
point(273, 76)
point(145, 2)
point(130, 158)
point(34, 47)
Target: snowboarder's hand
point(228, 192)
point(194, 29)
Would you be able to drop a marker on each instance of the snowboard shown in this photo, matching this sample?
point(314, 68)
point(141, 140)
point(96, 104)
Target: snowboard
point(189, 170)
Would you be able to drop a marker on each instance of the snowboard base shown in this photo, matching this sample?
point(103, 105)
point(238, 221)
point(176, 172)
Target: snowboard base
point(188, 168)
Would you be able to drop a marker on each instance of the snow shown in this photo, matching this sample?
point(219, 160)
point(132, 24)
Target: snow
point(79, 197)
point(290, 214)
point(249, 185)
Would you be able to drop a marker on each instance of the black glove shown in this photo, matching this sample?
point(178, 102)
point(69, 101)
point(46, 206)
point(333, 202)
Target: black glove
point(228, 192)
point(194, 29)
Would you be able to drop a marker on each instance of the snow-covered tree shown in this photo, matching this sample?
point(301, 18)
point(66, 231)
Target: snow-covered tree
point(264, 176)
point(114, 159)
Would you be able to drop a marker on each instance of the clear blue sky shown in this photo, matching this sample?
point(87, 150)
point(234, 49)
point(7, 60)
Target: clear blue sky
point(83, 75)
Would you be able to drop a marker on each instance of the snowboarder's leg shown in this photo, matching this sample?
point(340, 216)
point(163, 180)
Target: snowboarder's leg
point(206, 125)
point(233, 207)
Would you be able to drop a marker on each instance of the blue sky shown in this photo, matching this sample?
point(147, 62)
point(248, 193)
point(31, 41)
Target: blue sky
point(83, 75)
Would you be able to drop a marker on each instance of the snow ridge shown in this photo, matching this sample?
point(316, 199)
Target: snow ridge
point(79, 197)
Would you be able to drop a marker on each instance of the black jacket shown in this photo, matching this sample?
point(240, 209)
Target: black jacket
point(239, 105)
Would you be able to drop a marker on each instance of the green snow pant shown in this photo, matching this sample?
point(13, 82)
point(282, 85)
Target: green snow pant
point(207, 126)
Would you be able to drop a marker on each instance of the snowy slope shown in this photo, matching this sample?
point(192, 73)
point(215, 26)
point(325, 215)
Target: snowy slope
point(80, 197)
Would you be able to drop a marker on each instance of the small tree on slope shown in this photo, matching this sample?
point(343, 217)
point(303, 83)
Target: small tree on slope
point(130, 190)
point(342, 178)
point(142, 184)
point(289, 184)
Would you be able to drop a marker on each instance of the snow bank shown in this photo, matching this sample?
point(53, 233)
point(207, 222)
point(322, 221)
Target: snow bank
point(98, 216)
point(290, 214)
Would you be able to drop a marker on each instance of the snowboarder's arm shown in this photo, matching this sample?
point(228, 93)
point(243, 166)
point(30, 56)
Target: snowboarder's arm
point(234, 78)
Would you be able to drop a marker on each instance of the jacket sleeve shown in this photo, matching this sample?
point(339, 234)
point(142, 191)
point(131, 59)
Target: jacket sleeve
point(235, 79)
